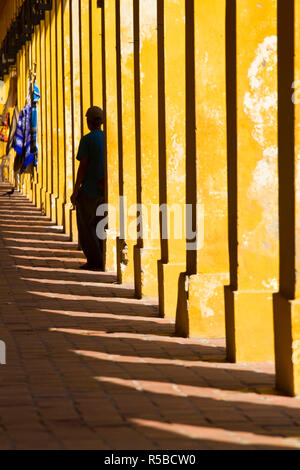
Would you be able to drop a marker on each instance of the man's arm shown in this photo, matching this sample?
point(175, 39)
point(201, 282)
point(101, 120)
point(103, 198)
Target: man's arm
point(80, 177)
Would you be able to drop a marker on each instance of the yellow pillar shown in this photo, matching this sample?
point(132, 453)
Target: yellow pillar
point(201, 309)
point(4, 91)
point(40, 120)
point(44, 118)
point(147, 251)
point(29, 66)
point(76, 97)
point(11, 156)
point(23, 97)
point(60, 117)
point(111, 128)
point(127, 240)
point(49, 184)
point(96, 57)
point(18, 70)
point(54, 86)
point(86, 82)
point(287, 301)
point(33, 61)
point(27, 51)
point(68, 113)
point(172, 153)
point(252, 159)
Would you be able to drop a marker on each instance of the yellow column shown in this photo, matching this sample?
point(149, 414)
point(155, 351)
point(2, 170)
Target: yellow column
point(27, 178)
point(86, 82)
point(68, 113)
point(127, 240)
point(172, 181)
point(60, 117)
point(23, 97)
point(287, 301)
point(49, 149)
point(201, 311)
point(96, 42)
point(253, 204)
point(18, 71)
point(4, 91)
point(43, 169)
point(18, 81)
point(10, 171)
point(54, 86)
point(33, 61)
point(40, 120)
point(147, 251)
point(111, 127)
point(76, 98)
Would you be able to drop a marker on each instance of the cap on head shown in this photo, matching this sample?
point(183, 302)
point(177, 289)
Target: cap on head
point(95, 114)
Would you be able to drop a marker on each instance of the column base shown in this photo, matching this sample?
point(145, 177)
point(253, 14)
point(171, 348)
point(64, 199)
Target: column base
point(68, 219)
point(60, 212)
point(145, 268)
point(34, 193)
point(54, 198)
point(249, 326)
point(29, 190)
point(110, 255)
point(201, 307)
point(48, 204)
point(287, 344)
point(34, 186)
point(74, 229)
point(125, 263)
point(38, 195)
point(43, 201)
point(168, 282)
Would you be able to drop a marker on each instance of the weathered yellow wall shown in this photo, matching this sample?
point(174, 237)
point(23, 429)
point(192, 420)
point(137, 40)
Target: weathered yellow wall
point(111, 125)
point(188, 119)
point(286, 302)
point(147, 251)
point(173, 252)
point(201, 311)
point(69, 77)
point(250, 311)
point(68, 118)
point(60, 118)
point(54, 133)
point(127, 156)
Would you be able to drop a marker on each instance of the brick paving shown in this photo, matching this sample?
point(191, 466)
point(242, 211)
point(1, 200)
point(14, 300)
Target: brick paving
point(90, 367)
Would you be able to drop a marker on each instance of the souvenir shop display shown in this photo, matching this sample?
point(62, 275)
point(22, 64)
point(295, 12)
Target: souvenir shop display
point(25, 137)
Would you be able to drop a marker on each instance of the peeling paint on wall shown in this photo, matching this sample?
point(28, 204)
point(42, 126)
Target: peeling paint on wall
point(126, 11)
point(260, 105)
point(148, 11)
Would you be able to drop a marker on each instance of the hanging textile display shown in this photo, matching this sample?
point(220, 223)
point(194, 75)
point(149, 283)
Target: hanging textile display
point(22, 141)
point(25, 139)
point(34, 121)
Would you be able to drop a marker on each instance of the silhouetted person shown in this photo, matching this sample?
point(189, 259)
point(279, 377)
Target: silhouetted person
point(89, 189)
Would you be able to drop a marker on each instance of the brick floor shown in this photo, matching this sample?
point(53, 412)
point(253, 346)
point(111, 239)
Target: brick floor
point(90, 367)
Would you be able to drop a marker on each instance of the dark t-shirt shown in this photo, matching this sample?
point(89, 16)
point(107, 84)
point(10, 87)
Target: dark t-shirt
point(91, 147)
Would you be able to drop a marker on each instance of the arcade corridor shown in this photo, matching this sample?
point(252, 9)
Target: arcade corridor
point(90, 367)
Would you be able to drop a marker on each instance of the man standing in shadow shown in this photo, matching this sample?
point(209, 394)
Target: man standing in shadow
point(89, 189)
